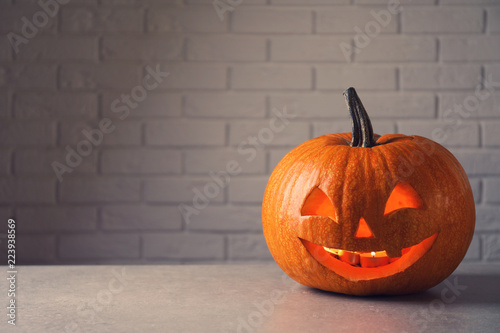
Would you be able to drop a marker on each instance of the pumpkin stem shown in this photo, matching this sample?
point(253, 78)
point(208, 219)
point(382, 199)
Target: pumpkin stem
point(362, 131)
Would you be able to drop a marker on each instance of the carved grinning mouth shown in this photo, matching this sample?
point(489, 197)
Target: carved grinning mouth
point(355, 266)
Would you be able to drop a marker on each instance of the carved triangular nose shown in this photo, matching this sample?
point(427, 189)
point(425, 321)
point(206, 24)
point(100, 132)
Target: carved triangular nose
point(364, 230)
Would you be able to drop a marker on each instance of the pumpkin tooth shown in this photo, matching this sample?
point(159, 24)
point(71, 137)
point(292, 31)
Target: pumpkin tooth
point(331, 250)
point(349, 257)
point(365, 259)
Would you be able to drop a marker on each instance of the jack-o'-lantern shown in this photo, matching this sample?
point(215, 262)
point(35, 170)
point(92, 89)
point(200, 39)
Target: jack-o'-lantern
point(363, 214)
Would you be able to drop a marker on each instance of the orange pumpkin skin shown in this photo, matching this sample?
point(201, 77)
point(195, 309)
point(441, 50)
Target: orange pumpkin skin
point(358, 181)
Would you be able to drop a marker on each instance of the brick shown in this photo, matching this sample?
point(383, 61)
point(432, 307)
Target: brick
point(347, 19)
point(292, 134)
point(442, 20)
point(5, 162)
point(125, 133)
point(142, 48)
point(27, 190)
point(99, 246)
point(73, 2)
point(403, 2)
point(468, 2)
point(94, 189)
point(155, 105)
point(56, 219)
point(345, 126)
point(35, 249)
point(91, 77)
point(207, 105)
point(60, 105)
point(491, 134)
point(227, 218)
point(492, 187)
point(310, 2)
point(11, 21)
point(5, 50)
point(308, 104)
point(463, 106)
point(474, 251)
point(28, 76)
point(313, 48)
point(234, 4)
point(226, 48)
point(426, 77)
point(476, 48)
point(185, 20)
point(120, 217)
point(183, 246)
point(491, 75)
point(185, 133)
point(288, 21)
point(491, 244)
point(465, 135)
point(493, 19)
point(137, 2)
point(338, 77)
point(400, 105)
point(247, 189)
point(60, 48)
point(102, 19)
point(4, 106)
point(27, 133)
point(488, 218)
point(140, 161)
point(248, 247)
point(203, 161)
point(195, 76)
point(479, 162)
point(84, 2)
point(39, 162)
point(271, 77)
point(397, 48)
point(179, 190)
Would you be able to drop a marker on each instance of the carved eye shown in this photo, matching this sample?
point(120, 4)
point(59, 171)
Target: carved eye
point(318, 204)
point(403, 196)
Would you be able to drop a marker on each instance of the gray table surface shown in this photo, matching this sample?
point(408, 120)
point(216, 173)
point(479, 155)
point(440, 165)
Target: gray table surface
point(236, 298)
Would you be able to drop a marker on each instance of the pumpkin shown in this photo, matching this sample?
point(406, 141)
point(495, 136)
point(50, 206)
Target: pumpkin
point(363, 214)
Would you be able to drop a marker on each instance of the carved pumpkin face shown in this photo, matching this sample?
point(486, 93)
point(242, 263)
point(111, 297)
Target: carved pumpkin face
point(368, 215)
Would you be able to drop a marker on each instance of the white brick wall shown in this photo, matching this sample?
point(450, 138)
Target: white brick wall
point(418, 71)
point(363, 77)
point(345, 19)
point(226, 48)
point(443, 20)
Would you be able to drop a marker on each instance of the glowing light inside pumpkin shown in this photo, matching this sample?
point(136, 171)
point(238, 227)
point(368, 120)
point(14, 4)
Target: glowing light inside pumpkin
point(318, 204)
point(355, 272)
point(403, 196)
point(362, 259)
point(364, 230)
